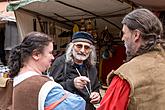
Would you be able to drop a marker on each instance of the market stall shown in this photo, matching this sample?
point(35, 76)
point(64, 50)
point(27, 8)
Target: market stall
point(61, 18)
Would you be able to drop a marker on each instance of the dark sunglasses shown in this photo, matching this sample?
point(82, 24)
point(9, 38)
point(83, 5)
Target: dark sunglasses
point(79, 46)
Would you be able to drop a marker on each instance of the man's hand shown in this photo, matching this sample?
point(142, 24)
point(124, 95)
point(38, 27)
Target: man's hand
point(95, 97)
point(80, 82)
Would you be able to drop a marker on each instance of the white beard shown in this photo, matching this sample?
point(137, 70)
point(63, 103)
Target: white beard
point(79, 57)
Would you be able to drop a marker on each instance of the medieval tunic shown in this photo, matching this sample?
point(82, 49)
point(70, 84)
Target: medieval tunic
point(146, 77)
point(33, 92)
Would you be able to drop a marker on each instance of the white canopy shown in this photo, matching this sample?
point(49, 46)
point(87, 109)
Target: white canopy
point(105, 12)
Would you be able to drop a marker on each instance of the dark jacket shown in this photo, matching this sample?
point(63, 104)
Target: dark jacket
point(64, 73)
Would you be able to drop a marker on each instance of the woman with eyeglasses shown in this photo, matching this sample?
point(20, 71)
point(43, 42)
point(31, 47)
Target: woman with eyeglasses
point(31, 89)
point(76, 70)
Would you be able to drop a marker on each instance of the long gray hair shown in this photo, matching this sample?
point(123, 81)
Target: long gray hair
point(90, 60)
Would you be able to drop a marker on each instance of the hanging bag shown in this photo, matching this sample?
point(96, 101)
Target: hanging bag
point(6, 92)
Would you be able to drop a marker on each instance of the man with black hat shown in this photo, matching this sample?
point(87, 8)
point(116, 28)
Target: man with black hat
point(76, 70)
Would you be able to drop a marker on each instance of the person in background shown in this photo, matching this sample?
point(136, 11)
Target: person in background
point(31, 89)
point(76, 70)
point(139, 84)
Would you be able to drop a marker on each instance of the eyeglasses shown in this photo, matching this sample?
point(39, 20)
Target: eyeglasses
point(80, 46)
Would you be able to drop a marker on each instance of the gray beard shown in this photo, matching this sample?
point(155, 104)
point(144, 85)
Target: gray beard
point(79, 57)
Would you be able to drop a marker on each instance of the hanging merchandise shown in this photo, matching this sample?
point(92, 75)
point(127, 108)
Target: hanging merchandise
point(106, 36)
point(82, 28)
point(94, 33)
point(105, 54)
point(75, 28)
point(89, 26)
